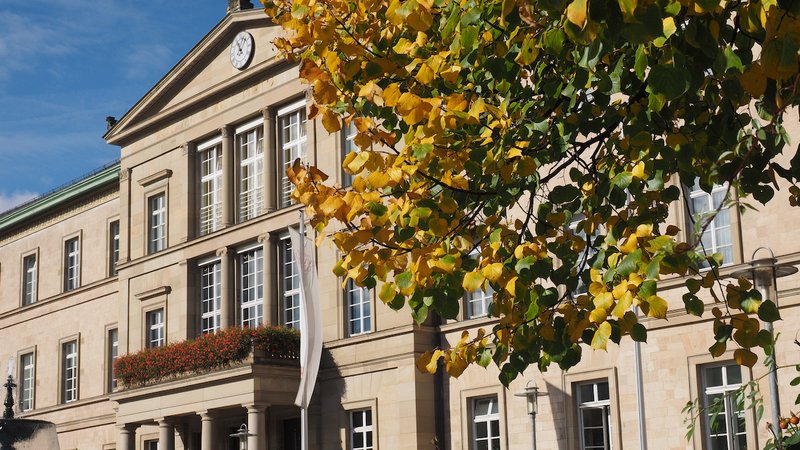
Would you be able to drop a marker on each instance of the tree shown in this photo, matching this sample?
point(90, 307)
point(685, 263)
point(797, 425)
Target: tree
point(487, 127)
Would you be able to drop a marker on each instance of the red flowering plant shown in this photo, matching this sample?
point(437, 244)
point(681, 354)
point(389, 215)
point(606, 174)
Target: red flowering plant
point(206, 353)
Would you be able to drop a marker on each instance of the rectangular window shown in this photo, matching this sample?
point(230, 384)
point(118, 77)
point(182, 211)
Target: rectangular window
point(113, 247)
point(725, 422)
point(157, 226)
point(358, 309)
point(717, 235)
point(348, 146)
point(291, 145)
point(361, 430)
point(251, 287)
point(290, 285)
point(476, 303)
point(155, 328)
point(113, 352)
point(29, 282)
point(485, 424)
point(26, 381)
point(210, 155)
point(150, 445)
point(594, 415)
point(72, 254)
point(249, 142)
point(210, 296)
point(69, 371)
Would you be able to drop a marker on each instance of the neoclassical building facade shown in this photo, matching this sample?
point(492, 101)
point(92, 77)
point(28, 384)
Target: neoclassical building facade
point(186, 235)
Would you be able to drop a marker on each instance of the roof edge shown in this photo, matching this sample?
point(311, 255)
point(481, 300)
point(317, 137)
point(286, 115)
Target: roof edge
point(59, 197)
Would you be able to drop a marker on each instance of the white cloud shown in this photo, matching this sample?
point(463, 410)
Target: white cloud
point(10, 200)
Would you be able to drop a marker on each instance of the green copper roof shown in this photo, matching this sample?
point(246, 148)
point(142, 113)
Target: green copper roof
point(60, 196)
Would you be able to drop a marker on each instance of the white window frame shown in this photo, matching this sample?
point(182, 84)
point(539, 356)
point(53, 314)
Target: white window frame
point(348, 135)
point(210, 273)
point(27, 381)
point(210, 216)
point(250, 289)
point(113, 247)
point(72, 263)
point(250, 173)
point(151, 444)
point(289, 284)
point(155, 322)
point(69, 371)
point(156, 222)
point(29, 281)
point(112, 353)
point(715, 230)
point(476, 303)
point(358, 301)
point(595, 403)
point(364, 430)
point(291, 118)
point(492, 416)
point(729, 414)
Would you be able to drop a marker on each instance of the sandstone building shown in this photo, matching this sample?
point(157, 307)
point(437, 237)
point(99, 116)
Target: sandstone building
point(186, 235)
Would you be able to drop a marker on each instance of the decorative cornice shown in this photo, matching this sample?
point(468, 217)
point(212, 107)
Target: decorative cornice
point(161, 290)
point(158, 176)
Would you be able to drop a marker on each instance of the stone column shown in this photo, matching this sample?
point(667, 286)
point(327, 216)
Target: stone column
point(226, 302)
point(228, 176)
point(166, 435)
point(270, 279)
point(256, 426)
point(206, 431)
point(127, 437)
point(191, 229)
point(270, 162)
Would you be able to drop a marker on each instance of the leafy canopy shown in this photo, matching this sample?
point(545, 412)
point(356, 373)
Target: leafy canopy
point(487, 127)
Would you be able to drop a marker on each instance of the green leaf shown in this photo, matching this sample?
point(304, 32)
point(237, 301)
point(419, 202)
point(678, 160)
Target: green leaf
point(469, 38)
point(629, 263)
point(750, 301)
point(639, 333)
point(564, 193)
point(404, 280)
point(693, 304)
point(420, 314)
point(484, 357)
point(421, 150)
point(669, 81)
point(524, 263)
point(768, 312)
point(647, 289)
point(640, 64)
point(622, 180)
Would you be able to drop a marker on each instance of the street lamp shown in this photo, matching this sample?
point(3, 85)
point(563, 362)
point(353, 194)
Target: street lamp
point(243, 433)
point(531, 394)
point(764, 273)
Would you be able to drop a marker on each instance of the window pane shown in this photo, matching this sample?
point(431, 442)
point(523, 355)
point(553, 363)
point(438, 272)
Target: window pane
point(734, 374)
point(602, 391)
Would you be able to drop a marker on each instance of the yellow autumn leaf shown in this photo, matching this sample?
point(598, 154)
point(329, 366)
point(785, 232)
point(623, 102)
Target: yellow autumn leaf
point(576, 13)
point(601, 336)
point(493, 271)
point(511, 287)
point(391, 95)
point(425, 74)
point(331, 205)
point(638, 170)
point(604, 300)
point(630, 244)
point(656, 307)
point(331, 122)
point(472, 281)
point(623, 305)
point(744, 357)
point(598, 315)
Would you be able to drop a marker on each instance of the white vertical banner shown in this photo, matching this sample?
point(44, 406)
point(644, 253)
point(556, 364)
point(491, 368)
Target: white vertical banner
point(304, 253)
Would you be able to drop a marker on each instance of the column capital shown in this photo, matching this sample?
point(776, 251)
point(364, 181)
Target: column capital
point(266, 113)
point(265, 238)
point(207, 414)
point(256, 407)
point(224, 251)
point(164, 421)
point(127, 427)
point(226, 131)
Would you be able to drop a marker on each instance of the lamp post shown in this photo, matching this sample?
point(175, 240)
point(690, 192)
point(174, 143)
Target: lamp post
point(531, 394)
point(764, 273)
point(242, 434)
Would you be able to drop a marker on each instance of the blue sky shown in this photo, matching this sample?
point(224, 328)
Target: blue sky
point(67, 64)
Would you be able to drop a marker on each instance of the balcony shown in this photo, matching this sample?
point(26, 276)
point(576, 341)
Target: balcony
point(203, 386)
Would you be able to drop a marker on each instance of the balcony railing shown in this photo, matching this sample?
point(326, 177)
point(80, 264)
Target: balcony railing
point(205, 354)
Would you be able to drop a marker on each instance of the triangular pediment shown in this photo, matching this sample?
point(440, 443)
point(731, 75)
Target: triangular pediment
point(203, 74)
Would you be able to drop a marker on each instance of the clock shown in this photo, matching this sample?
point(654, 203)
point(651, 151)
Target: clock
point(242, 50)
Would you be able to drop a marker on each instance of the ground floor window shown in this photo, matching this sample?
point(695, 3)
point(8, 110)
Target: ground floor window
point(361, 429)
point(594, 415)
point(485, 424)
point(725, 427)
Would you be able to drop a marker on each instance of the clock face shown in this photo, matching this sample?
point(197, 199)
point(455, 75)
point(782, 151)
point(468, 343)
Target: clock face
point(242, 50)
